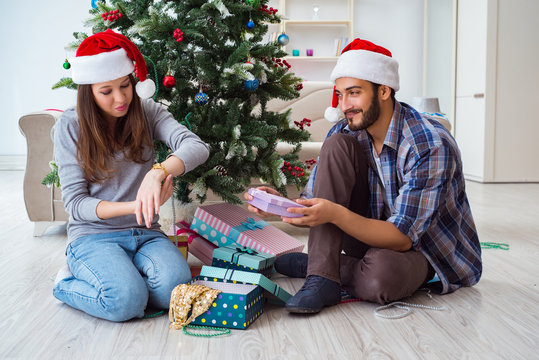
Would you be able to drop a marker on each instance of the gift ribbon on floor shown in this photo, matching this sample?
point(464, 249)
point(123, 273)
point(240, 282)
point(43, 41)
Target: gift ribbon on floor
point(494, 245)
point(149, 316)
point(219, 331)
point(406, 307)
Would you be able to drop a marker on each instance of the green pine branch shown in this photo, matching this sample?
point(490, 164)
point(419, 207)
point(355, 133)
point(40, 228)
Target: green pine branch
point(52, 178)
point(65, 82)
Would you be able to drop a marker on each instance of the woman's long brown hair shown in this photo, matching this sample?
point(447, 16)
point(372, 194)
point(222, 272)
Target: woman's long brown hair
point(97, 144)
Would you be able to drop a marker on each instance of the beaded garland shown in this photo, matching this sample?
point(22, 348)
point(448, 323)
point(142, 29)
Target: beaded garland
point(218, 331)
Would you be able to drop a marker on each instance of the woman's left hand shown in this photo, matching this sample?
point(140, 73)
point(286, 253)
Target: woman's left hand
point(151, 195)
point(318, 211)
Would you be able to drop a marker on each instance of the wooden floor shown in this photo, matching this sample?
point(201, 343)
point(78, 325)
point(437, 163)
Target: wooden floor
point(496, 319)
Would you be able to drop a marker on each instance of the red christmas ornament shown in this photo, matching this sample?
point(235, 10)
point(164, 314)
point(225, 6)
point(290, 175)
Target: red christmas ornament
point(301, 124)
point(112, 15)
point(169, 81)
point(276, 62)
point(178, 35)
point(293, 170)
point(309, 163)
point(266, 9)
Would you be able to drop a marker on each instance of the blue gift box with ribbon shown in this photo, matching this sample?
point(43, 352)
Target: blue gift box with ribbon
point(237, 307)
point(243, 258)
point(226, 224)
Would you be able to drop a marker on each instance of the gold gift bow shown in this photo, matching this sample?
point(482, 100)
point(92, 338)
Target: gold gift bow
point(184, 298)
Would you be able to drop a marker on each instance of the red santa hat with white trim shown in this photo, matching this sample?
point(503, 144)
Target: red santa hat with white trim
point(361, 59)
point(107, 56)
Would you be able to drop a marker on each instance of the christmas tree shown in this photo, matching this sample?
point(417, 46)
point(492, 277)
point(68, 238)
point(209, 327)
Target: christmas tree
point(215, 72)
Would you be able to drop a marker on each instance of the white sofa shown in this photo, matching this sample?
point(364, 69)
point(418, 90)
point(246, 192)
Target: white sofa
point(44, 205)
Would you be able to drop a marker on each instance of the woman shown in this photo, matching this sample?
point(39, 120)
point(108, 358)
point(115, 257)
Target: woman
point(119, 262)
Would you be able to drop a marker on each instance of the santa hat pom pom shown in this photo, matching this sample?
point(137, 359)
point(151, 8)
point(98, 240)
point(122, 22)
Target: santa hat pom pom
point(333, 114)
point(145, 89)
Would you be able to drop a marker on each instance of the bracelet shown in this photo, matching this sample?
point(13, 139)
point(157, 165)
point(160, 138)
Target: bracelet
point(160, 167)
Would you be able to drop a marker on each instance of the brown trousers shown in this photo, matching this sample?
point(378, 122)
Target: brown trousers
point(367, 273)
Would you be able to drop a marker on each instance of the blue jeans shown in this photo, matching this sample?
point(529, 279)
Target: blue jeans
point(116, 275)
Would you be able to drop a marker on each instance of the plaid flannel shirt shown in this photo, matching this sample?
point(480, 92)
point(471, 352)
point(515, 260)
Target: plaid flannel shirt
point(424, 194)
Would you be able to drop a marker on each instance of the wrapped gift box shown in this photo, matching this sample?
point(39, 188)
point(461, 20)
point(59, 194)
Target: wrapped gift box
point(237, 307)
point(271, 290)
point(180, 240)
point(202, 249)
point(226, 224)
point(196, 244)
point(244, 259)
point(273, 204)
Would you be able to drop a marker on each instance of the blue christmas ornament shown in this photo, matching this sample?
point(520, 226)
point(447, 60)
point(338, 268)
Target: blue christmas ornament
point(251, 85)
point(94, 3)
point(250, 24)
point(283, 39)
point(201, 98)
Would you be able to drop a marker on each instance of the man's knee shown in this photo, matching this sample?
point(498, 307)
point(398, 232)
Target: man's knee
point(339, 143)
point(389, 275)
point(377, 289)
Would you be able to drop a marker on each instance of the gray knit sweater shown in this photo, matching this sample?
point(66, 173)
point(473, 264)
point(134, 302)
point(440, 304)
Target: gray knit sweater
point(81, 197)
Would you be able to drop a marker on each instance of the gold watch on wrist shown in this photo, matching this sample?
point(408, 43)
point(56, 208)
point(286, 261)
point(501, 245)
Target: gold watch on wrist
point(160, 167)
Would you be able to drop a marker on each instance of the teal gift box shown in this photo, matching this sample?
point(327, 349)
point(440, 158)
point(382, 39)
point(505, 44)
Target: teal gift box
point(237, 307)
point(244, 259)
point(273, 291)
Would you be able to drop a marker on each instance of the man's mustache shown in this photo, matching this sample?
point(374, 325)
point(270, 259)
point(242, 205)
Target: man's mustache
point(356, 111)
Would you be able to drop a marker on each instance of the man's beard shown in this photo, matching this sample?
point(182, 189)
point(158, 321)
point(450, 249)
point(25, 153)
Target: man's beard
point(369, 117)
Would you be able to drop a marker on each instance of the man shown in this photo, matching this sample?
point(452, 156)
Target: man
point(388, 192)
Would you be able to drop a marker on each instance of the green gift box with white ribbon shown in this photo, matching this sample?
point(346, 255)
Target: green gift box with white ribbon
point(243, 258)
point(271, 289)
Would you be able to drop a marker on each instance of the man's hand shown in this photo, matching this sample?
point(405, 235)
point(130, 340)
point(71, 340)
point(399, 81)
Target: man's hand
point(256, 210)
point(318, 211)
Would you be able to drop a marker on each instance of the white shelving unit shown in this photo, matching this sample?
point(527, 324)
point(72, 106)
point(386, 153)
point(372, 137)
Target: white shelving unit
point(335, 20)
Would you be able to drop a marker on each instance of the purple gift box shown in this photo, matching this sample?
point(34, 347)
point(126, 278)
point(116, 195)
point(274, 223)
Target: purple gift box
point(273, 204)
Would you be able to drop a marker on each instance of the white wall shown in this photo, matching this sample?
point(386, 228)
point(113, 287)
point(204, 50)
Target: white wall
point(37, 52)
point(440, 37)
point(33, 36)
point(398, 26)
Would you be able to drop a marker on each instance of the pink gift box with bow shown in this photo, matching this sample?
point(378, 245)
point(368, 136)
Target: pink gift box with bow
point(226, 224)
